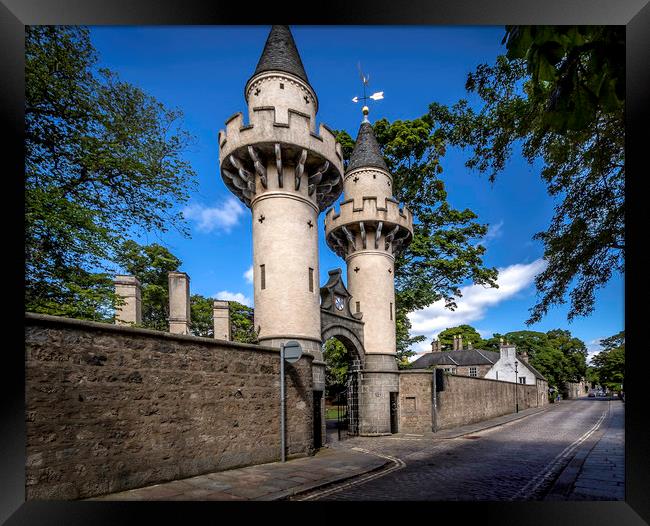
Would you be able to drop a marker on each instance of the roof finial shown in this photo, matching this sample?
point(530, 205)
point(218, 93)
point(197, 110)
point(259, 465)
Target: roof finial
point(365, 110)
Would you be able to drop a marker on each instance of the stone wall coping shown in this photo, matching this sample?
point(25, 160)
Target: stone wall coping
point(46, 319)
point(494, 380)
point(407, 371)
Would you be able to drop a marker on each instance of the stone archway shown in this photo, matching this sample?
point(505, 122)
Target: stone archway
point(349, 338)
point(339, 322)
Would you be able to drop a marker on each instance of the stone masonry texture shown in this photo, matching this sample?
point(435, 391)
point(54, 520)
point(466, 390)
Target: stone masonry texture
point(464, 400)
point(111, 408)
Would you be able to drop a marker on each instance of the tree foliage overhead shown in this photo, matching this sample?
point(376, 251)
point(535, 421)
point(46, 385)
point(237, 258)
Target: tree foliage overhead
point(444, 252)
point(559, 94)
point(103, 160)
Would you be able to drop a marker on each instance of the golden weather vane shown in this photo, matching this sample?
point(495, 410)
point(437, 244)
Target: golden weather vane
point(375, 96)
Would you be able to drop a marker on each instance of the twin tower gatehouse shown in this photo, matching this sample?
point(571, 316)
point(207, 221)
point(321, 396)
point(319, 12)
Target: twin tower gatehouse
point(287, 172)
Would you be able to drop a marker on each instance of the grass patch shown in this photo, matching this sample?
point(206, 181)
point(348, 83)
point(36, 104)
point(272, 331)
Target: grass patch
point(332, 412)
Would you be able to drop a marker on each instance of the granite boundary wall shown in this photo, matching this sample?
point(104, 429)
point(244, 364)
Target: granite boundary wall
point(110, 408)
point(464, 400)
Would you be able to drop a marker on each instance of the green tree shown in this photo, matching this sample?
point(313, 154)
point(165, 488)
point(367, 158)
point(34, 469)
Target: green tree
point(609, 364)
point(556, 354)
point(559, 94)
point(444, 252)
point(102, 161)
point(469, 335)
point(492, 344)
point(337, 362)
point(151, 264)
point(202, 322)
point(241, 323)
point(574, 350)
point(201, 316)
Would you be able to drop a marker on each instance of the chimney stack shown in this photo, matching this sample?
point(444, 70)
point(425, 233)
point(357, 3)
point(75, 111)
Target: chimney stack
point(435, 346)
point(458, 343)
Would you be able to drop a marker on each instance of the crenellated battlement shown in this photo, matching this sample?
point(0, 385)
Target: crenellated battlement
point(299, 159)
point(265, 128)
point(368, 226)
point(351, 211)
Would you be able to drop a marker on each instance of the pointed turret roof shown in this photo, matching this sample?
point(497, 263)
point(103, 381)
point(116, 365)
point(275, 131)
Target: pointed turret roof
point(366, 151)
point(281, 54)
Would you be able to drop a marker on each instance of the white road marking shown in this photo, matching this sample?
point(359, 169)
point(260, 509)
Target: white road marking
point(397, 464)
point(568, 451)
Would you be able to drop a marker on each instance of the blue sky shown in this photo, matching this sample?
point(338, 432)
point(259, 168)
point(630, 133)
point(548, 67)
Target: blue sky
point(203, 69)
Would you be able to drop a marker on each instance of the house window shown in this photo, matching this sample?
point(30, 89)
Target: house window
point(263, 276)
point(311, 279)
point(522, 379)
point(391, 311)
point(473, 371)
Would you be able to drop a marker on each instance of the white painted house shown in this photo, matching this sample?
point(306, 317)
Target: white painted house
point(509, 362)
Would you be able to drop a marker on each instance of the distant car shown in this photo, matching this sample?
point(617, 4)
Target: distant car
point(591, 394)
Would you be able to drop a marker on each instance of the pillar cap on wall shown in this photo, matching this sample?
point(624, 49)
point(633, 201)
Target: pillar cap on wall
point(123, 279)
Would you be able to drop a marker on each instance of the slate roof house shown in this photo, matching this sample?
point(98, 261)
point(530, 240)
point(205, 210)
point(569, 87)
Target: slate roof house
point(504, 365)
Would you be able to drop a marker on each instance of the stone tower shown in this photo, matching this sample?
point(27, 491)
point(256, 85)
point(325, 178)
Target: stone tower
point(287, 172)
point(367, 232)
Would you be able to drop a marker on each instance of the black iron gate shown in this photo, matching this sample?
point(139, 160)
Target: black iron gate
point(393, 412)
point(352, 391)
point(318, 435)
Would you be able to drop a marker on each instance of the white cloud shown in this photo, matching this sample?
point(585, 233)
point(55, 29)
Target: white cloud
point(593, 348)
point(494, 231)
point(474, 303)
point(224, 216)
point(233, 296)
point(248, 275)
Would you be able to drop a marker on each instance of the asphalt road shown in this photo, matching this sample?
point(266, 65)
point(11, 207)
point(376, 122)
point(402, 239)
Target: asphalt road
point(517, 461)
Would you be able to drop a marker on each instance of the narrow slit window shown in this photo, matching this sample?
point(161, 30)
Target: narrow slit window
point(358, 306)
point(391, 311)
point(263, 276)
point(311, 279)
point(281, 85)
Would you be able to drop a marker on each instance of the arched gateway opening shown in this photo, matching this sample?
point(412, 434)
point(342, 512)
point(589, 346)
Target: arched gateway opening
point(342, 336)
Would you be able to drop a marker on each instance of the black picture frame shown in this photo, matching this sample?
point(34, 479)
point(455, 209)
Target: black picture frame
point(634, 14)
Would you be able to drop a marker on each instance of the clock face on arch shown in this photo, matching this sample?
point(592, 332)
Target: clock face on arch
point(339, 302)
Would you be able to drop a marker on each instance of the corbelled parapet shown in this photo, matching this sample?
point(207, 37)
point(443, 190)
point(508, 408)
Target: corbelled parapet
point(268, 154)
point(371, 224)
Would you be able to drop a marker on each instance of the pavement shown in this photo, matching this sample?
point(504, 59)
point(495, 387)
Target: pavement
point(273, 481)
point(597, 467)
point(597, 471)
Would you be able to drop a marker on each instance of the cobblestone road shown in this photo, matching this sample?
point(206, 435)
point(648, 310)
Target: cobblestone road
point(517, 461)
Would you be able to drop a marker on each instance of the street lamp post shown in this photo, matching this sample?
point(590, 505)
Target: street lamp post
point(516, 389)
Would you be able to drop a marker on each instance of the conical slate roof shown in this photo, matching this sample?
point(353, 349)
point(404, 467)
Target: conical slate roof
point(366, 151)
point(281, 54)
